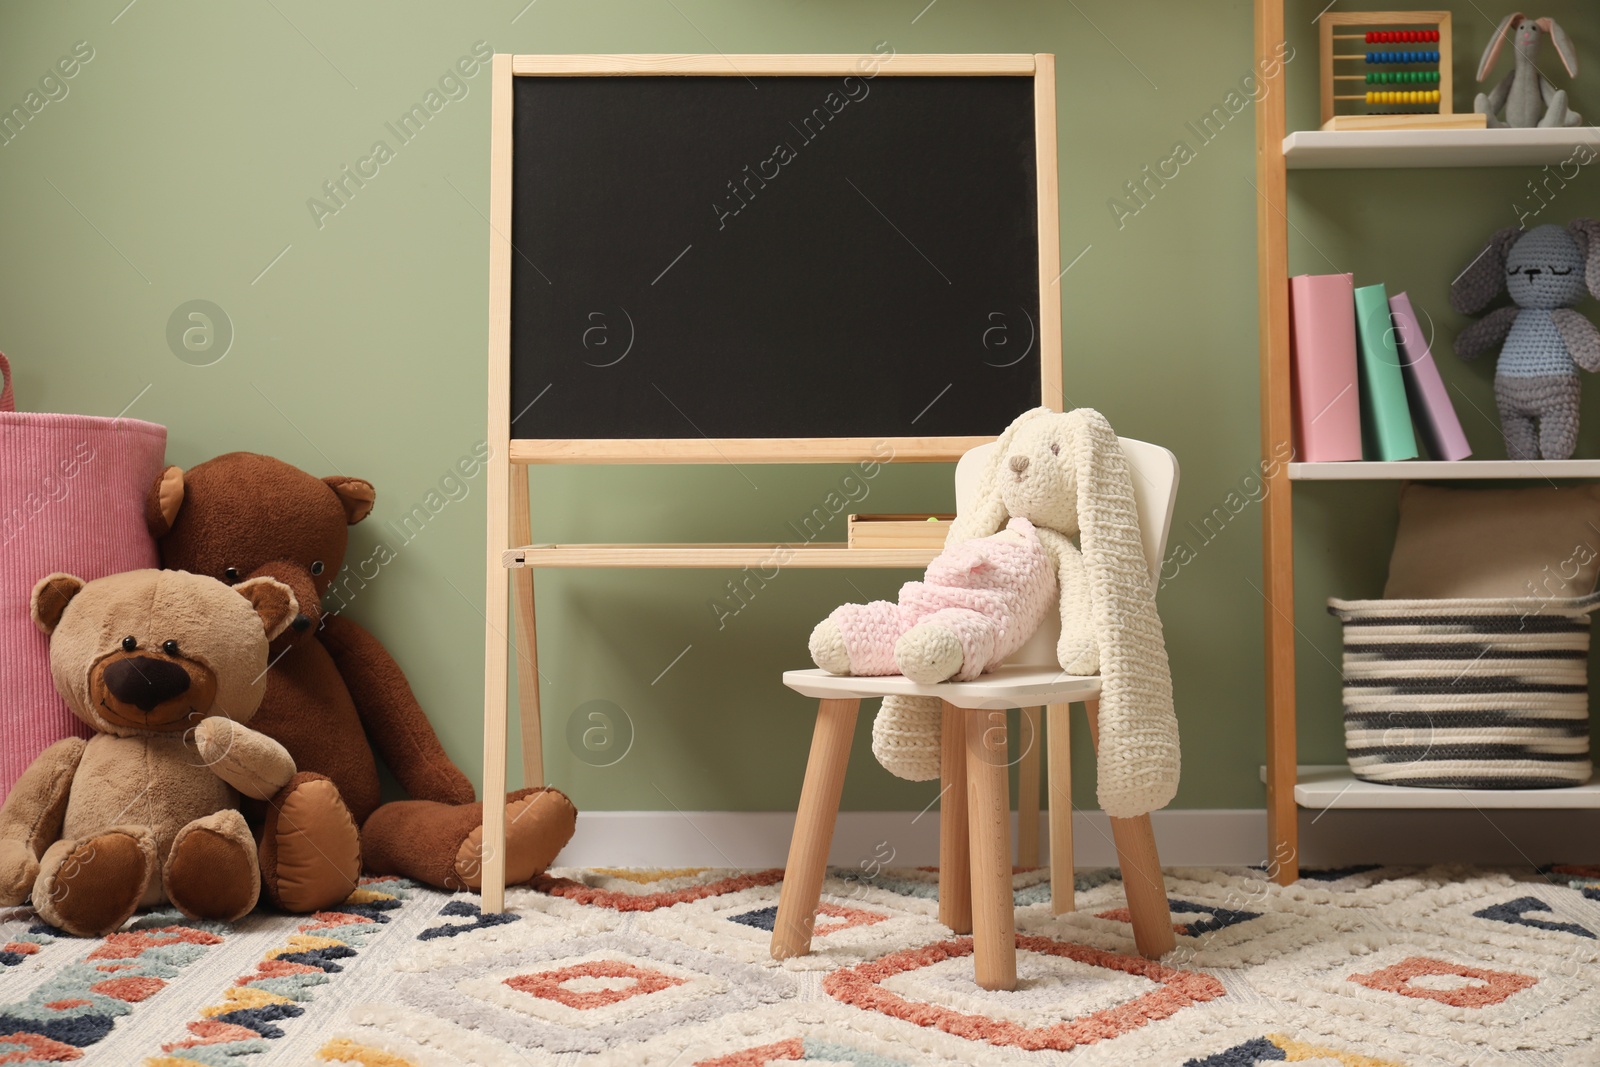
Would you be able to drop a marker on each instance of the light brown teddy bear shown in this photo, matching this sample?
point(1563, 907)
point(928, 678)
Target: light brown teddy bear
point(167, 667)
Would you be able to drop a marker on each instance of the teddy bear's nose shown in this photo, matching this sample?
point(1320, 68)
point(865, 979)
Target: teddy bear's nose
point(145, 682)
point(300, 624)
point(1018, 463)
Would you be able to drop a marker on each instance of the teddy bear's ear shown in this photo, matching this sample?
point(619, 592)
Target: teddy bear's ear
point(273, 601)
point(50, 599)
point(162, 502)
point(356, 495)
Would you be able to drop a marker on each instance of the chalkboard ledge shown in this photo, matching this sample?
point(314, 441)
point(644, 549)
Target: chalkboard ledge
point(746, 450)
point(831, 555)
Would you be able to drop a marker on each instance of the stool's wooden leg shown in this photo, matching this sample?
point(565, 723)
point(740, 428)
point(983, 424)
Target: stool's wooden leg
point(1028, 790)
point(1059, 778)
point(813, 828)
point(994, 926)
point(1142, 883)
point(955, 856)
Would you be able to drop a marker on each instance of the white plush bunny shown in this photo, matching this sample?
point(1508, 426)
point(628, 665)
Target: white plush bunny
point(1066, 474)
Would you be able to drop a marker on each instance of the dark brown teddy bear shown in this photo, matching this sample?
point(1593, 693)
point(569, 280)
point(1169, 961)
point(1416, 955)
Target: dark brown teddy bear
point(334, 694)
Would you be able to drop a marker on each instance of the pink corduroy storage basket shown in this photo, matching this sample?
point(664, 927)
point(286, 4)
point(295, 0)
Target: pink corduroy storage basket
point(72, 491)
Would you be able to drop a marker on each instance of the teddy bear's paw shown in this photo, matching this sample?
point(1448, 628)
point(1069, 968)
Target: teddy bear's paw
point(89, 888)
point(18, 871)
point(539, 823)
point(211, 871)
point(310, 846)
point(827, 648)
point(928, 653)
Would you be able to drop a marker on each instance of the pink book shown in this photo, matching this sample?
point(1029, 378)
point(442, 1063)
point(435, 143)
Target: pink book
point(1431, 409)
point(1327, 403)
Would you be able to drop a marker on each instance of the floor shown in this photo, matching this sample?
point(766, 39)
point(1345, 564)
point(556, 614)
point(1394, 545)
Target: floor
point(1360, 967)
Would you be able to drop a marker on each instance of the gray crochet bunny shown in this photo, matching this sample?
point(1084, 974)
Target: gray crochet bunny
point(1526, 94)
point(1542, 341)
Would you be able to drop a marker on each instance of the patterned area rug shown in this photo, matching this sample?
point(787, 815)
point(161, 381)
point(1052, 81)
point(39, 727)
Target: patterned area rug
point(1362, 967)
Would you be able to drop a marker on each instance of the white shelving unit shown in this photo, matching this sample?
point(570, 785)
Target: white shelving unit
point(1335, 788)
point(1418, 470)
point(1388, 149)
point(1290, 787)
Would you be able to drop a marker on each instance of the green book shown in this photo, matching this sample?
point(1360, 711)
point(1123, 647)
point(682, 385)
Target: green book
point(1386, 432)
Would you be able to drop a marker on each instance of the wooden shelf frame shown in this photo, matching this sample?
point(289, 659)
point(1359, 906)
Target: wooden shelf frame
point(1335, 788)
point(512, 559)
point(1277, 440)
point(1277, 151)
point(1436, 470)
point(1405, 149)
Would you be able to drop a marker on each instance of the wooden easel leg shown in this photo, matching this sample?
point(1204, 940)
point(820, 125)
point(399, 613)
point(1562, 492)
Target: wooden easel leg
point(1142, 882)
point(955, 856)
point(813, 828)
point(1028, 790)
point(1059, 778)
point(994, 922)
point(494, 740)
point(527, 636)
point(498, 487)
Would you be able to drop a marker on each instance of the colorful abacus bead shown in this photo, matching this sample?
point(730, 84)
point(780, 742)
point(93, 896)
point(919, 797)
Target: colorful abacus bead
point(1413, 96)
point(1402, 57)
point(1401, 36)
point(1391, 77)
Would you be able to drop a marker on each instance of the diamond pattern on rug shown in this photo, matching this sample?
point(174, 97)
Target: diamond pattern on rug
point(250, 1012)
point(1133, 992)
point(587, 994)
point(623, 898)
point(1516, 911)
point(1210, 918)
point(77, 1006)
point(597, 984)
point(1424, 990)
point(1276, 1048)
point(1448, 983)
point(856, 921)
point(1371, 968)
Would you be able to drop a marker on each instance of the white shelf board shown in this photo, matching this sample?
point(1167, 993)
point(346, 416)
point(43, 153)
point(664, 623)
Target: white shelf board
point(1417, 469)
point(1345, 149)
point(1335, 788)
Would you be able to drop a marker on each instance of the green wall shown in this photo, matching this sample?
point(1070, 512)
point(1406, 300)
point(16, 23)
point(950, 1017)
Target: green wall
point(178, 167)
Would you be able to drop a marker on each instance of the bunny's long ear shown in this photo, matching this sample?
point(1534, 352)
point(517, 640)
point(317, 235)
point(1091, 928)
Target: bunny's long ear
point(1492, 53)
point(1485, 277)
point(1563, 43)
point(987, 514)
point(1587, 233)
point(1138, 751)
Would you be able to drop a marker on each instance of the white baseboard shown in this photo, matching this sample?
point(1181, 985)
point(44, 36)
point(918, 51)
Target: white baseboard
point(1185, 838)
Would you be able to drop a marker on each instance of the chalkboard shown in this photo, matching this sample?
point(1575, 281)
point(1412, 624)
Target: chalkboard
point(773, 256)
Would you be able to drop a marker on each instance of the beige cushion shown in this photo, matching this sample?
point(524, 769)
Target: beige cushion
point(1542, 541)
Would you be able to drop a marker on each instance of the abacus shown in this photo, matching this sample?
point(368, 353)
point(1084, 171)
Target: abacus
point(1404, 73)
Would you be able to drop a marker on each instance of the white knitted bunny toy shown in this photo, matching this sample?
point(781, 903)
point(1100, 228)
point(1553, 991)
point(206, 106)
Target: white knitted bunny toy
point(1065, 474)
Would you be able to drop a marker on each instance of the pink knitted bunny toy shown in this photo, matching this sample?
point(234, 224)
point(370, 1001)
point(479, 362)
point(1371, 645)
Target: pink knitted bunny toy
point(979, 602)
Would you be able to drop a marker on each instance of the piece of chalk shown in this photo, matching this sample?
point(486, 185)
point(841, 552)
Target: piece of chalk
point(933, 518)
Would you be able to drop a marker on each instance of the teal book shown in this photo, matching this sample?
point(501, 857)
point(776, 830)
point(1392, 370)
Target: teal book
point(1386, 432)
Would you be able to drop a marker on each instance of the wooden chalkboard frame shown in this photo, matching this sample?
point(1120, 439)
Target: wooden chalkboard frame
point(509, 525)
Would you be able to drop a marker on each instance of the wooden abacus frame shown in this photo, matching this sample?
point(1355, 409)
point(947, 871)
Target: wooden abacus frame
point(1332, 21)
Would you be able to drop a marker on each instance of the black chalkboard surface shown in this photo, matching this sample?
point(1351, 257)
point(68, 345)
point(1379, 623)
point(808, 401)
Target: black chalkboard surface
point(730, 257)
